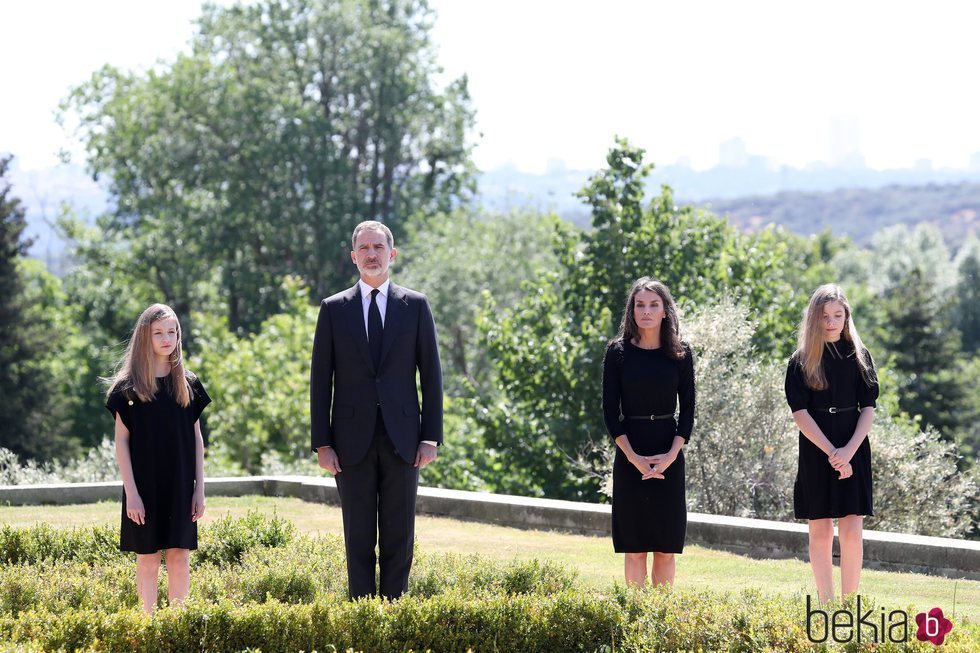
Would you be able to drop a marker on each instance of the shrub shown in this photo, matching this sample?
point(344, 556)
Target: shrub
point(97, 465)
point(227, 539)
point(741, 460)
point(274, 579)
point(917, 486)
point(476, 576)
point(44, 543)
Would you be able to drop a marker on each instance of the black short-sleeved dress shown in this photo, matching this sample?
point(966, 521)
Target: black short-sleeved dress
point(647, 515)
point(161, 447)
point(819, 492)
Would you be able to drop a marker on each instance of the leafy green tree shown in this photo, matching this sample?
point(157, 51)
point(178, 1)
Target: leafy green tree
point(259, 383)
point(924, 351)
point(966, 315)
point(253, 155)
point(98, 302)
point(699, 256)
point(916, 297)
point(541, 425)
point(897, 250)
point(32, 409)
point(969, 433)
point(454, 259)
point(547, 350)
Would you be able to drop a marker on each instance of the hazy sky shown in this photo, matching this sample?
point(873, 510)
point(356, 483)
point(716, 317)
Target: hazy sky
point(557, 79)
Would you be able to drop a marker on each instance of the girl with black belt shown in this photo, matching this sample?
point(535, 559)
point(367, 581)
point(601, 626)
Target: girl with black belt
point(831, 388)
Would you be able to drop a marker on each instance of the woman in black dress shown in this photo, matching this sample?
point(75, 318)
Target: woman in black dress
point(156, 405)
point(831, 388)
point(646, 371)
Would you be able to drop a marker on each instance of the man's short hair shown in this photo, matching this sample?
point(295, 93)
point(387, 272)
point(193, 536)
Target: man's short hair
point(372, 225)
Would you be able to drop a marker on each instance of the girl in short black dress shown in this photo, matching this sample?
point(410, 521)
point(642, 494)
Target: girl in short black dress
point(831, 388)
point(156, 405)
point(647, 371)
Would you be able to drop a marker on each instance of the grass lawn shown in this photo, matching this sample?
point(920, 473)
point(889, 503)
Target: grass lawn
point(592, 557)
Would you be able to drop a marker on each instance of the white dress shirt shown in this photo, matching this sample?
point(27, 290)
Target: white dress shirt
point(382, 300)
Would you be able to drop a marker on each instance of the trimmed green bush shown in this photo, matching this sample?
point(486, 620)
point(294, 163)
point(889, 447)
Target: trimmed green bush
point(227, 539)
point(263, 588)
point(432, 575)
point(44, 543)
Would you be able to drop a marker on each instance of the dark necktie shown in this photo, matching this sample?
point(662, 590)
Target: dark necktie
point(374, 329)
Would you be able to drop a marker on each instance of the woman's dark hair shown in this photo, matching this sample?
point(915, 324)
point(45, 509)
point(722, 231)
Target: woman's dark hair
point(670, 338)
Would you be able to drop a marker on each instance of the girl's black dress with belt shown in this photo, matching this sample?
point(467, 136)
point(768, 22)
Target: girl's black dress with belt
point(648, 515)
point(819, 492)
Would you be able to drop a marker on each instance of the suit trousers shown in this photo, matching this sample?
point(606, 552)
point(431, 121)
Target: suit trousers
point(377, 500)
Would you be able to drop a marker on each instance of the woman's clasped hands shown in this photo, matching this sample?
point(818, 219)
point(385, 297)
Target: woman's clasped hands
point(653, 466)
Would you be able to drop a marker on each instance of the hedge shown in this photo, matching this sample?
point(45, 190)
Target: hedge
point(566, 621)
point(263, 588)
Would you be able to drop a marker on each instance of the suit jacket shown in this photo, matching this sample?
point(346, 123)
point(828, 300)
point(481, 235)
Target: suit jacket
point(346, 391)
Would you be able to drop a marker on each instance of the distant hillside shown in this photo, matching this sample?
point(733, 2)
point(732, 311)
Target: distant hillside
point(859, 212)
point(948, 198)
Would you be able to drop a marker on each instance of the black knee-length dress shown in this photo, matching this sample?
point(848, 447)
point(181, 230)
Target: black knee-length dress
point(161, 448)
point(819, 492)
point(647, 515)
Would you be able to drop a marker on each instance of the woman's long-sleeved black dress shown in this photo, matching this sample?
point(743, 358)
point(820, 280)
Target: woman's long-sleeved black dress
point(819, 492)
point(647, 515)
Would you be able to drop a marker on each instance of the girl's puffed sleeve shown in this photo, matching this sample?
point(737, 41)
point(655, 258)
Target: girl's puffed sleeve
point(611, 389)
point(121, 403)
point(867, 392)
point(200, 400)
point(797, 391)
point(686, 395)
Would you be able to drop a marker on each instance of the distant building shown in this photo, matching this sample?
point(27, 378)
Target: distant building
point(733, 154)
point(845, 142)
point(555, 166)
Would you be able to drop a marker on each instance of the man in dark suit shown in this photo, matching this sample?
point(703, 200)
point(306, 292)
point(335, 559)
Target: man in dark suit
point(367, 426)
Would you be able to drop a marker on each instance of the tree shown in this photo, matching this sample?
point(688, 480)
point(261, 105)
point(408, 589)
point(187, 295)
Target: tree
point(457, 258)
point(896, 250)
point(966, 316)
point(924, 351)
point(254, 155)
point(260, 383)
point(32, 411)
point(547, 350)
point(99, 302)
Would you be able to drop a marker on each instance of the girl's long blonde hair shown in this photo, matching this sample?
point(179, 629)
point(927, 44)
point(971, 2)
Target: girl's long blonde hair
point(810, 343)
point(135, 370)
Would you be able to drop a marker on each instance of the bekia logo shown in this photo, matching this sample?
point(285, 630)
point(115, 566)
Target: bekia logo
point(933, 626)
point(873, 625)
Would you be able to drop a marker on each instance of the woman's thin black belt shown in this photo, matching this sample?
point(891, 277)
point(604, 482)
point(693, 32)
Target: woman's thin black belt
point(650, 417)
point(835, 409)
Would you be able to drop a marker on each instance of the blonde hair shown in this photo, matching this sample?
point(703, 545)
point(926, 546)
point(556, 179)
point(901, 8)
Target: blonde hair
point(135, 370)
point(810, 342)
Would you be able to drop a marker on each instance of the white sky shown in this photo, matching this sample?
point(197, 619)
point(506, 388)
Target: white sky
point(557, 79)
